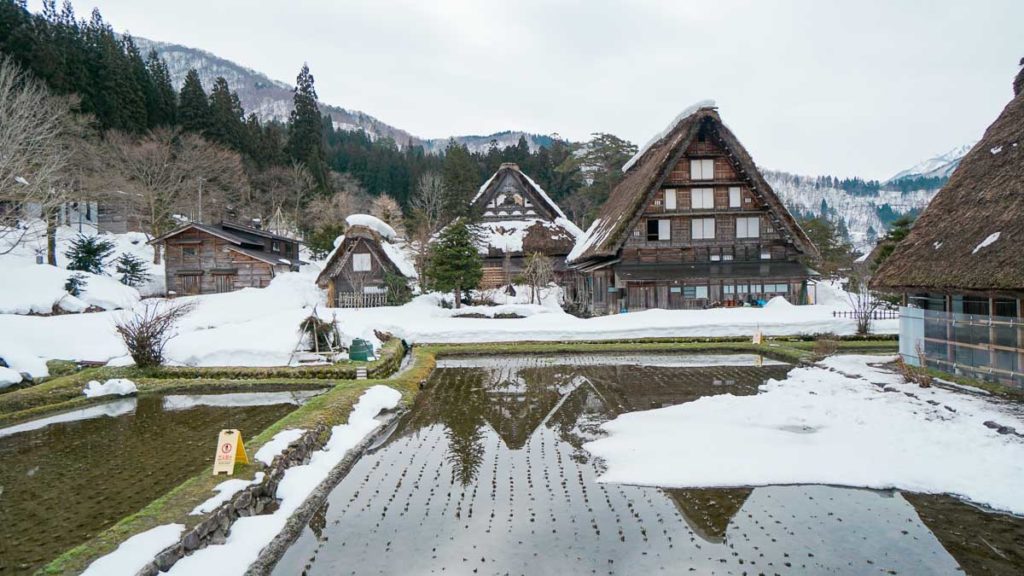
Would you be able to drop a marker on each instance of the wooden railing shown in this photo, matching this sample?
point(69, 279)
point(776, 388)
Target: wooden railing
point(359, 300)
point(875, 315)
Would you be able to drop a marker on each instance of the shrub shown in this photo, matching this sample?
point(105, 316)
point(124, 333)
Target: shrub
point(87, 253)
point(825, 345)
point(75, 284)
point(133, 270)
point(398, 289)
point(147, 331)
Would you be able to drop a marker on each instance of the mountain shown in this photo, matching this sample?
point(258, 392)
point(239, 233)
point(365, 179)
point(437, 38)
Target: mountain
point(940, 166)
point(271, 99)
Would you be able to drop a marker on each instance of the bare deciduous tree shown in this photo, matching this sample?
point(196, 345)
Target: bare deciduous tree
point(538, 273)
point(387, 209)
point(862, 301)
point(148, 330)
point(428, 200)
point(33, 153)
point(348, 198)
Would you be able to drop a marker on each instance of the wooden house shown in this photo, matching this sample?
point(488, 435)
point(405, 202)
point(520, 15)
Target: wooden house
point(517, 218)
point(206, 259)
point(961, 267)
point(355, 275)
point(692, 224)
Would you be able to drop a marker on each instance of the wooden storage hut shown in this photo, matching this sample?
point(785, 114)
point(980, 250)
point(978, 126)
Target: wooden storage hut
point(692, 224)
point(356, 273)
point(518, 218)
point(206, 259)
point(961, 268)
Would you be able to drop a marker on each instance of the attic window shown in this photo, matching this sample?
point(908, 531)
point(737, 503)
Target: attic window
point(702, 169)
point(361, 263)
point(275, 246)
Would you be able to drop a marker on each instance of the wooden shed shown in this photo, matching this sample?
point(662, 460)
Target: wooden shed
point(205, 259)
point(356, 273)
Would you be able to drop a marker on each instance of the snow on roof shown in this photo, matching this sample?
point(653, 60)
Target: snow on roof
point(540, 191)
point(682, 116)
point(483, 188)
point(508, 235)
point(373, 223)
point(399, 256)
point(986, 242)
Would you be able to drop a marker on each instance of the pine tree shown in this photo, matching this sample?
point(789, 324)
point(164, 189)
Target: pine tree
point(226, 116)
point(305, 126)
point(164, 101)
point(454, 261)
point(75, 284)
point(193, 106)
point(133, 270)
point(88, 253)
point(461, 180)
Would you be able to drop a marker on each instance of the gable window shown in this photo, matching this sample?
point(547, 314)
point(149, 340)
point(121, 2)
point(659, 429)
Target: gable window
point(748, 227)
point(768, 228)
point(659, 230)
point(188, 252)
point(702, 169)
point(361, 263)
point(670, 199)
point(734, 197)
point(702, 199)
point(703, 228)
point(766, 254)
point(275, 246)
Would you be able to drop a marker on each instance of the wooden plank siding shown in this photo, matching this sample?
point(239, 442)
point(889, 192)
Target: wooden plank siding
point(200, 263)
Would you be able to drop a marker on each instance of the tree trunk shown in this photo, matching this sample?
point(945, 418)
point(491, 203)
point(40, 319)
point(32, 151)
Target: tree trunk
point(458, 298)
point(51, 237)
point(156, 253)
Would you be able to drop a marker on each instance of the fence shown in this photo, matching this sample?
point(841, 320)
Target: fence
point(360, 300)
point(875, 315)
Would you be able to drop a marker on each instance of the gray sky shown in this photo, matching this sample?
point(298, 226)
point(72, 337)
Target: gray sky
point(848, 88)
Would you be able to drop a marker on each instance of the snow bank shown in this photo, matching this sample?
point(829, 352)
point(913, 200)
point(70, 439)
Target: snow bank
point(226, 490)
point(110, 409)
point(134, 553)
point(279, 442)
point(373, 223)
point(37, 288)
point(112, 387)
point(9, 377)
point(250, 535)
point(842, 423)
point(400, 257)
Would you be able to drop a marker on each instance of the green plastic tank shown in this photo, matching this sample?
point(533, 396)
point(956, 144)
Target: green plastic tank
point(360, 350)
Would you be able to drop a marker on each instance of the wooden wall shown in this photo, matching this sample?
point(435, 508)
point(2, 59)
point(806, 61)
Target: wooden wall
point(201, 263)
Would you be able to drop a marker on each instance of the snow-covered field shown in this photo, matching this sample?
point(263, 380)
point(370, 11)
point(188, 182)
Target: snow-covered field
point(843, 422)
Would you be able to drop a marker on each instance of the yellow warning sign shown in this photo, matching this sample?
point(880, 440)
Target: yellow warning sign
point(230, 450)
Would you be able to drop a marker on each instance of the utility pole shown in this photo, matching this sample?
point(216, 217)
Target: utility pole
point(200, 199)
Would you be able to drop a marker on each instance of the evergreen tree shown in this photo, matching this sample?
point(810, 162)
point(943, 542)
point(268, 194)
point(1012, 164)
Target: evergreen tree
point(75, 284)
point(227, 124)
point(454, 261)
point(163, 100)
point(305, 125)
point(836, 253)
point(133, 270)
point(193, 106)
point(88, 253)
point(461, 180)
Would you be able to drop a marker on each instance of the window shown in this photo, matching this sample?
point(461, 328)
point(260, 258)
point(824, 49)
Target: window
point(702, 169)
point(748, 227)
point(703, 228)
point(727, 257)
point(716, 258)
point(766, 254)
point(768, 228)
point(702, 291)
point(670, 199)
point(188, 252)
point(360, 262)
point(734, 197)
point(659, 230)
point(695, 292)
point(742, 288)
point(702, 198)
point(275, 246)
point(728, 289)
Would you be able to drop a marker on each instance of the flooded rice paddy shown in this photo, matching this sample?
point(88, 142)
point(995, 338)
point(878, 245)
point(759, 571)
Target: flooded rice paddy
point(488, 475)
point(65, 478)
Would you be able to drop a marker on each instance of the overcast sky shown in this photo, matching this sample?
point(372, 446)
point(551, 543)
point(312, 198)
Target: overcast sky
point(816, 87)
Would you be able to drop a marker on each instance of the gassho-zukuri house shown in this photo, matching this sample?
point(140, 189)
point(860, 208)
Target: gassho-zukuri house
point(961, 268)
point(517, 218)
point(356, 273)
point(692, 224)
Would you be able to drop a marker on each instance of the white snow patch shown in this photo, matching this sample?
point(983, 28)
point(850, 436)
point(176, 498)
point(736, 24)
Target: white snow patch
point(988, 241)
point(110, 409)
point(134, 553)
point(843, 422)
point(9, 377)
point(279, 442)
point(251, 534)
point(690, 111)
point(241, 399)
point(112, 387)
point(29, 288)
point(996, 150)
point(937, 244)
point(400, 257)
point(225, 491)
point(373, 223)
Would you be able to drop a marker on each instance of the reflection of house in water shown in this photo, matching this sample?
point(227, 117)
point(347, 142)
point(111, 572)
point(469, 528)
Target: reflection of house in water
point(708, 511)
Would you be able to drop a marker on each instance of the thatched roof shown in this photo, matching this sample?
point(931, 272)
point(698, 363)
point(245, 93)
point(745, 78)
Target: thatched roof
point(646, 172)
point(544, 203)
point(970, 236)
point(391, 255)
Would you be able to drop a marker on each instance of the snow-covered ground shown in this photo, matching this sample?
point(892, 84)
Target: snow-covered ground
point(843, 422)
point(259, 327)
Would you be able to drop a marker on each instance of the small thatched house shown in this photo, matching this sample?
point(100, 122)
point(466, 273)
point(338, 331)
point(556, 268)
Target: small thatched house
point(517, 218)
point(205, 259)
point(357, 272)
point(692, 224)
point(961, 268)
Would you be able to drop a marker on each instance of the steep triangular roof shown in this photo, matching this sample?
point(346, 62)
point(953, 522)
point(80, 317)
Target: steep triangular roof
point(646, 171)
point(386, 252)
point(970, 235)
point(510, 170)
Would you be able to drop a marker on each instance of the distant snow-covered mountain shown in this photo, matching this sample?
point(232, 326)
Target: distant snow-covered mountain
point(940, 166)
point(271, 99)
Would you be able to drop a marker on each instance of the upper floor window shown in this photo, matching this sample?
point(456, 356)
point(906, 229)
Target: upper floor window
point(702, 169)
point(188, 252)
point(275, 246)
point(734, 197)
point(670, 199)
point(702, 198)
point(748, 227)
point(659, 230)
point(703, 228)
point(360, 262)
